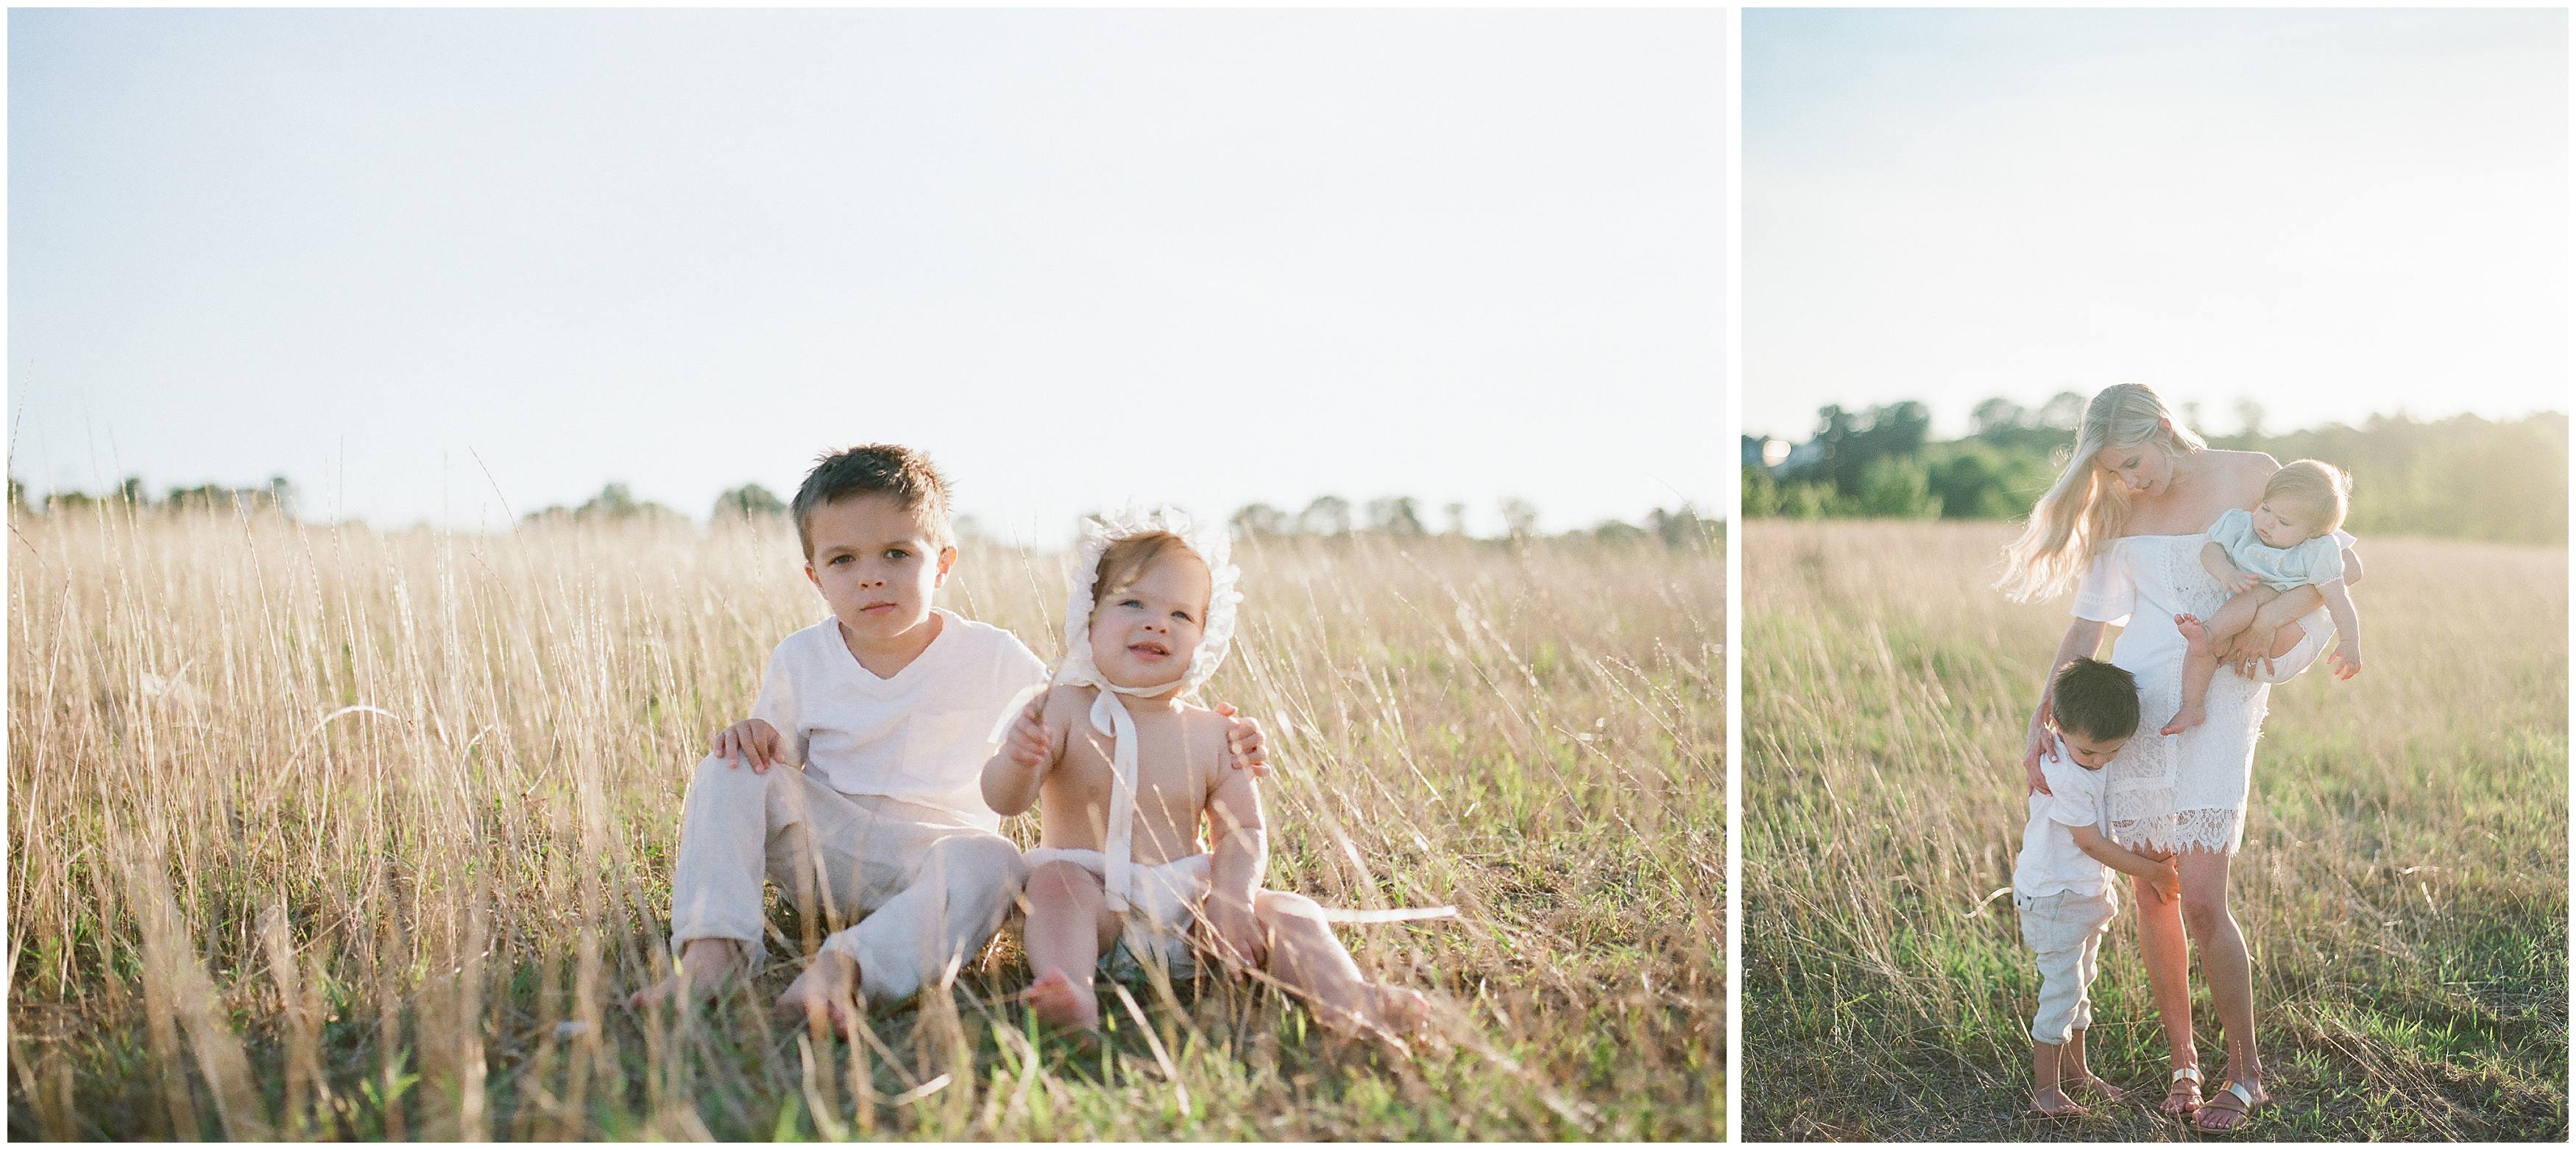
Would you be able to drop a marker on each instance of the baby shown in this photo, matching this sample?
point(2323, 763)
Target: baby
point(2062, 881)
point(2287, 541)
point(1127, 772)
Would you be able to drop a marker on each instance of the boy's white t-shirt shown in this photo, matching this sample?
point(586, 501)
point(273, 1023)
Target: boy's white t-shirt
point(922, 736)
point(2050, 861)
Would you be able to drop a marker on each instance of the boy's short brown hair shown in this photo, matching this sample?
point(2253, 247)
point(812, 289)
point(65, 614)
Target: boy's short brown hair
point(885, 469)
point(2095, 699)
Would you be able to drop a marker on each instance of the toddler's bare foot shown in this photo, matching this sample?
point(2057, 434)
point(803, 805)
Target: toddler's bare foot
point(705, 965)
point(829, 989)
point(1392, 1016)
point(2189, 716)
point(2054, 1103)
point(2096, 1087)
point(1058, 1001)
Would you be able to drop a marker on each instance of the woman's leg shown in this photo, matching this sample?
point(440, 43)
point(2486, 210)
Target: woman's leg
point(2168, 957)
point(2223, 961)
point(1067, 929)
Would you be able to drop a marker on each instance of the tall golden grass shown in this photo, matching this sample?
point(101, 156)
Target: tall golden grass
point(2403, 881)
point(323, 832)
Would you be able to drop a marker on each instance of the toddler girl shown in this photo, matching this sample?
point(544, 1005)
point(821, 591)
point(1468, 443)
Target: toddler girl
point(1127, 773)
point(2287, 541)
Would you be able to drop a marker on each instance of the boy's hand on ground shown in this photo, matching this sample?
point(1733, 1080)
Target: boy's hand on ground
point(1234, 932)
point(1027, 745)
point(1243, 738)
point(751, 741)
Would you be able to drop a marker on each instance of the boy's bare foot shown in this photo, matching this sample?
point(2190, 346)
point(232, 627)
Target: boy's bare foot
point(705, 965)
point(829, 989)
point(2091, 1085)
point(1057, 1001)
point(2053, 1103)
point(2188, 716)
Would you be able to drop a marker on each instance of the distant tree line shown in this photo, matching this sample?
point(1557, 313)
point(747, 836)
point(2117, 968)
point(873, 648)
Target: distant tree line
point(2461, 477)
point(278, 495)
point(1400, 517)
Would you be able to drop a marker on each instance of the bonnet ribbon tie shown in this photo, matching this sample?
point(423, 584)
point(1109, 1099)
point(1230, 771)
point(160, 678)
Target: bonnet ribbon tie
point(1110, 717)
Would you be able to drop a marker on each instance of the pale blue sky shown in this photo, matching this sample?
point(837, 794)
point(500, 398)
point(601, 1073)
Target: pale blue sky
point(1207, 257)
point(2333, 212)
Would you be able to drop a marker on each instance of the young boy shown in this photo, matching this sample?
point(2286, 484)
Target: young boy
point(2061, 885)
point(889, 706)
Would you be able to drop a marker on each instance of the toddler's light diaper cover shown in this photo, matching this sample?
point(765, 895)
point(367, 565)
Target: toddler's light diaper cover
point(1160, 907)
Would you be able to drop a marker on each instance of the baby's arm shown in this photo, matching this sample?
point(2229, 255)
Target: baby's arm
point(2161, 874)
point(2347, 621)
point(1013, 775)
point(1241, 852)
point(2214, 558)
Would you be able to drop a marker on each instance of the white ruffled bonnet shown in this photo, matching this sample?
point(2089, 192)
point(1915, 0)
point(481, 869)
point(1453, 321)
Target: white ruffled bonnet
point(1208, 540)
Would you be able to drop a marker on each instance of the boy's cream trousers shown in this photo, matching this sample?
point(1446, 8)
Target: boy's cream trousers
point(927, 891)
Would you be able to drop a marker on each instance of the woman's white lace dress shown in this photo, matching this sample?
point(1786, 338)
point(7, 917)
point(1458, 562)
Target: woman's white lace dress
point(2186, 791)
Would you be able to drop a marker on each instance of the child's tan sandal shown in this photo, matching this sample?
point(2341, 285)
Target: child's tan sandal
point(2183, 1087)
point(2236, 1100)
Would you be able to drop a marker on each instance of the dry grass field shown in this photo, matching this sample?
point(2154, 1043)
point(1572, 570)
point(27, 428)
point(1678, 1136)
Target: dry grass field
point(324, 833)
point(2403, 882)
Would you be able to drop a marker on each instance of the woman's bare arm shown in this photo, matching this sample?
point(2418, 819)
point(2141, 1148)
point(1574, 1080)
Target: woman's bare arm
point(2083, 637)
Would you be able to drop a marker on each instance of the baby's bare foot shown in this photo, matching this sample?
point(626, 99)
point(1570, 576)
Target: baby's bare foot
point(1392, 1016)
point(1058, 1001)
point(2192, 628)
point(2191, 715)
point(705, 965)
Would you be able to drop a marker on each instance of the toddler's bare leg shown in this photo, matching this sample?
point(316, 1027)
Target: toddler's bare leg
point(1307, 959)
point(1068, 927)
point(2073, 1073)
point(2047, 1092)
point(2200, 662)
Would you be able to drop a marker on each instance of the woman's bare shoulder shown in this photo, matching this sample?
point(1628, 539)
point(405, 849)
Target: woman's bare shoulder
point(2246, 472)
point(2258, 464)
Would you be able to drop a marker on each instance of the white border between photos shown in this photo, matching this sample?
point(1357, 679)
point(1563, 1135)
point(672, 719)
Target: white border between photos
point(1733, 61)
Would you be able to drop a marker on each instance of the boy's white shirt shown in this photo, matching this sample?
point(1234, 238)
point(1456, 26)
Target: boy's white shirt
point(2050, 862)
point(920, 737)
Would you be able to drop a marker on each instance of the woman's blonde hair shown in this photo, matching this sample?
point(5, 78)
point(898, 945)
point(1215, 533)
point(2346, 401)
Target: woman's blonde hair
point(2085, 508)
point(2317, 483)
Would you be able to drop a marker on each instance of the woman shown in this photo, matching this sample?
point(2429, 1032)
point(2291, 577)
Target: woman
point(2123, 527)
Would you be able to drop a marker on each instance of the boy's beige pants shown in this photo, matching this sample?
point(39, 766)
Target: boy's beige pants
point(2066, 931)
point(927, 891)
